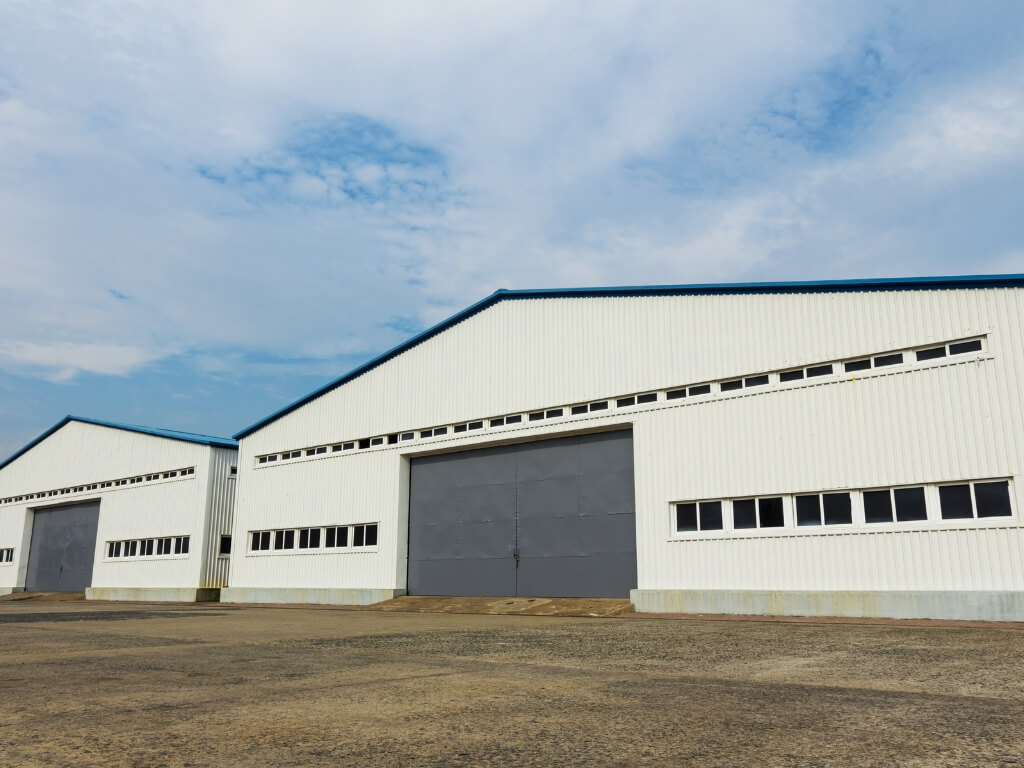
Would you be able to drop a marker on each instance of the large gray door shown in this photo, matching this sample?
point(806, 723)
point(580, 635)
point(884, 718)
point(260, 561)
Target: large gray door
point(62, 550)
point(552, 518)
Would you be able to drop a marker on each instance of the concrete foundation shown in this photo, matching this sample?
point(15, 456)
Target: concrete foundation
point(968, 606)
point(154, 594)
point(308, 596)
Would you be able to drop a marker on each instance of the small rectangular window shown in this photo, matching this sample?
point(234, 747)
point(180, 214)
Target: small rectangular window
point(253, 545)
point(426, 433)
point(329, 537)
point(459, 428)
point(755, 381)
point(536, 415)
point(392, 439)
point(711, 516)
point(270, 458)
point(376, 441)
point(808, 510)
point(364, 443)
point(601, 405)
point(497, 422)
point(321, 449)
point(744, 514)
point(686, 517)
point(371, 535)
point(311, 451)
point(110, 549)
point(837, 508)
point(289, 539)
point(700, 389)
point(963, 347)
point(769, 511)
point(117, 549)
point(877, 507)
point(820, 370)
point(304, 538)
point(265, 540)
point(476, 425)
point(894, 359)
point(675, 394)
point(342, 537)
point(554, 413)
point(625, 402)
point(183, 547)
point(408, 435)
point(857, 365)
point(348, 446)
point(225, 545)
point(132, 548)
point(336, 448)
point(163, 546)
point(791, 375)
point(147, 547)
point(730, 386)
point(578, 409)
point(263, 459)
point(931, 354)
point(993, 499)
point(650, 397)
point(358, 535)
point(278, 539)
point(910, 504)
point(517, 419)
point(955, 502)
point(440, 431)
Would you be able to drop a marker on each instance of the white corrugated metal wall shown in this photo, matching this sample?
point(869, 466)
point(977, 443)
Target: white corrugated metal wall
point(81, 454)
point(220, 507)
point(950, 420)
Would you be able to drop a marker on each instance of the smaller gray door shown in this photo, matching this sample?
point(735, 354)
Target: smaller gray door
point(62, 550)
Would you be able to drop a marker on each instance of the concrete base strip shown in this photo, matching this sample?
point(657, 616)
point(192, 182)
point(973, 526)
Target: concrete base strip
point(308, 596)
point(154, 594)
point(965, 606)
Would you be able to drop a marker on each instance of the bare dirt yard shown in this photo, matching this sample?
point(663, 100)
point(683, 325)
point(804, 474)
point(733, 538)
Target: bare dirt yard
point(211, 685)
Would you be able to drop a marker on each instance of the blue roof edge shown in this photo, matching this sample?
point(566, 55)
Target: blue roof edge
point(170, 434)
point(945, 282)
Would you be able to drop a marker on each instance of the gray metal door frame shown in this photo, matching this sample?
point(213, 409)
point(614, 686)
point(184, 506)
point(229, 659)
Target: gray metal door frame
point(62, 548)
point(553, 517)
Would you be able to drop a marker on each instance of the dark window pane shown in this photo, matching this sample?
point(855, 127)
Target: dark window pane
point(310, 451)
point(700, 389)
point(993, 499)
point(554, 413)
point(837, 508)
point(444, 430)
point(377, 441)
point(392, 439)
point(497, 422)
point(910, 504)
point(343, 536)
point(408, 435)
point(962, 347)
point(603, 405)
point(537, 416)
point(364, 443)
point(348, 446)
point(335, 448)
point(771, 512)
point(462, 427)
point(358, 535)
point(686, 517)
point(877, 507)
point(255, 541)
point(426, 433)
point(329, 537)
point(857, 365)
point(289, 539)
point(711, 515)
point(265, 540)
point(476, 425)
point(675, 394)
point(744, 514)
point(808, 510)
point(791, 375)
point(650, 397)
point(756, 381)
point(509, 420)
point(314, 538)
point(578, 409)
point(819, 370)
point(625, 402)
point(371, 535)
point(729, 386)
point(931, 354)
point(889, 360)
point(184, 545)
point(955, 501)
point(304, 538)
point(278, 539)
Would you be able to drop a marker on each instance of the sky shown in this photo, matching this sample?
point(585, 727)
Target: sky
point(209, 209)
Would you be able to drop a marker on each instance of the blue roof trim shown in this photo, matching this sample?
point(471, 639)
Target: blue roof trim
point(713, 289)
point(170, 434)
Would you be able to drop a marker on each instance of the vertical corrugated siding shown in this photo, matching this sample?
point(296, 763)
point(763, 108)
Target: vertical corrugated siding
point(220, 505)
point(959, 421)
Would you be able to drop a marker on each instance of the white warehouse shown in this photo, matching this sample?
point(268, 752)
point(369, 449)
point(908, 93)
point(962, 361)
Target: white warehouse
point(121, 512)
point(833, 448)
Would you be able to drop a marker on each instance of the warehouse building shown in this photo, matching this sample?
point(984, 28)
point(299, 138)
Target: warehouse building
point(120, 512)
point(830, 448)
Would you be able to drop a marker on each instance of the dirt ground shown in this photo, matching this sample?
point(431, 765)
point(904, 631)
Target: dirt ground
point(145, 685)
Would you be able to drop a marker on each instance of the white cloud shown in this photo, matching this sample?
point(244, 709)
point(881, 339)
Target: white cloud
point(62, 361)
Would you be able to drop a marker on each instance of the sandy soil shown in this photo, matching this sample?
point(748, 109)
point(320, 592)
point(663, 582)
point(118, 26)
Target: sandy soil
point(133, 685)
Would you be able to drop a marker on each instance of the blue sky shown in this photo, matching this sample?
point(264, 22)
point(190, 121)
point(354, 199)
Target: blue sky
point(209, 209)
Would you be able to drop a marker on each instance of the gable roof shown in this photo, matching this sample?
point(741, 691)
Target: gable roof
point(713, 289)
point(170, 434)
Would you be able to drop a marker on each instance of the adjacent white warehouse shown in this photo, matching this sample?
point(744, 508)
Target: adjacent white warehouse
point(836, 448)
point(119, 511)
